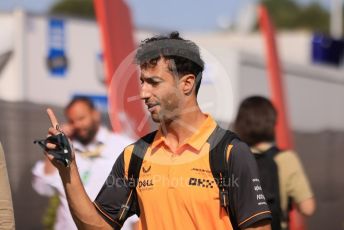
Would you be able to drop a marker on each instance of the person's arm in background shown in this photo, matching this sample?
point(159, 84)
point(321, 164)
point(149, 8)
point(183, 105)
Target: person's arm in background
point(302, 191)
point(6, 207)
point(307, 207)
point(298, 186)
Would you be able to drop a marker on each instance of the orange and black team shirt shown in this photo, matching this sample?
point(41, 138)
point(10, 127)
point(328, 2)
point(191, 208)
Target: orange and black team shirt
point(176, 190)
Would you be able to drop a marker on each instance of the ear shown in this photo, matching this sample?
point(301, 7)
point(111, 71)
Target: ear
point(188, 82)
point(96, 115)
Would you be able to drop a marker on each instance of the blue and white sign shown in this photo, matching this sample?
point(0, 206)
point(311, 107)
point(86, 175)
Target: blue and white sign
point(100, 73)
point(56, 61)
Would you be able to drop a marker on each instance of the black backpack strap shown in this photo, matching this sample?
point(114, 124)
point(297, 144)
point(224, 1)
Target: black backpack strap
point(269, 181)
point(139, 151)
point(273, 151)
point(219, 164)
point(285, 214)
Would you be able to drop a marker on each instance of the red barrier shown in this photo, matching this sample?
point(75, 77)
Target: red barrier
point(283, 133)
point(116, 31)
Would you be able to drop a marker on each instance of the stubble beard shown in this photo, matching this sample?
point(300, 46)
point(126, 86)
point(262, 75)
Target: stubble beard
point(168, 113)
point(91, 133)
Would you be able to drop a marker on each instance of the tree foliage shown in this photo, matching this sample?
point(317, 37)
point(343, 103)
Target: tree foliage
point(75, 8)
point(287, 14)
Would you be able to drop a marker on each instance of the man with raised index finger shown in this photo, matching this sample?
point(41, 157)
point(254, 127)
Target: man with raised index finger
point(175, 186)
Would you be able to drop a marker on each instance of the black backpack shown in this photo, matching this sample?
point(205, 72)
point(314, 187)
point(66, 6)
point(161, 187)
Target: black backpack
point(268, 173)
point(218, 140)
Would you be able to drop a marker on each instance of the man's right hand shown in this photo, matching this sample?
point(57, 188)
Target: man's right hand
point(55, 130)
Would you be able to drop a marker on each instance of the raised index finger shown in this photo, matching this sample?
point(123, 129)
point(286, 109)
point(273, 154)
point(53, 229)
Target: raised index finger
point(52, 118)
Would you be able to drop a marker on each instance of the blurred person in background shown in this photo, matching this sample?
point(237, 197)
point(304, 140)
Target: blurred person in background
point(255, 125)
point(6, 207)
point(95, 147)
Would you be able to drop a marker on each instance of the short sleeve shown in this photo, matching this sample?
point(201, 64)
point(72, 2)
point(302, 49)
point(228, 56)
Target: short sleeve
point(297, 184)
point(113, 194)
point(248, 202)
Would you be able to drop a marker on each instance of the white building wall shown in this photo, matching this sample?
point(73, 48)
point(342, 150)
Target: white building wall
point(11, 85)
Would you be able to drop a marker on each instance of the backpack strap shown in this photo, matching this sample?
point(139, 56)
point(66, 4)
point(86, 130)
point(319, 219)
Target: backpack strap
point(139, 151)
point(269, 180)
point(219, 164)
point(274, 151)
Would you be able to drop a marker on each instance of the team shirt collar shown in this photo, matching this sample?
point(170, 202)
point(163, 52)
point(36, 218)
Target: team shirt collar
point(195, 141)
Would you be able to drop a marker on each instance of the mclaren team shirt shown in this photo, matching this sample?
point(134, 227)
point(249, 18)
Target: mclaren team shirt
point(176, 190)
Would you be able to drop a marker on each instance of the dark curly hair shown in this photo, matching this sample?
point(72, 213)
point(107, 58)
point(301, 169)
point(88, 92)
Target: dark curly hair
point(256, 120)
point(184, 53)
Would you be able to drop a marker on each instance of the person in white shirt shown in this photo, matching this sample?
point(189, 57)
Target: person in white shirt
point(96, 149)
